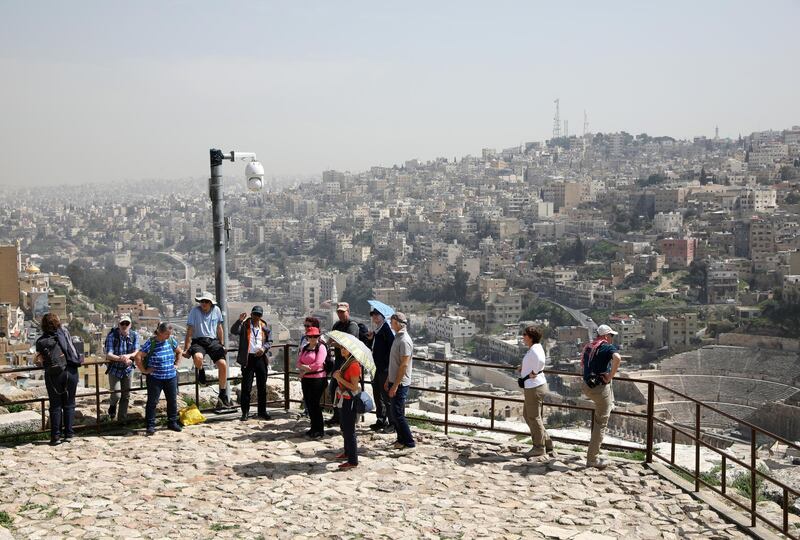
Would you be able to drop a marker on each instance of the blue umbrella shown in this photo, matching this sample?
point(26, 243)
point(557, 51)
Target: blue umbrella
point(386, 311)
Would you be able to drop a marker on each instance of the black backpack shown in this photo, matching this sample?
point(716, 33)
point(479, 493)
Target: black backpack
point(54, 360)
point(362, 333)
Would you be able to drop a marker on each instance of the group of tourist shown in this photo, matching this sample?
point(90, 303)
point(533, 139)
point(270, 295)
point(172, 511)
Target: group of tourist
point(392, 352)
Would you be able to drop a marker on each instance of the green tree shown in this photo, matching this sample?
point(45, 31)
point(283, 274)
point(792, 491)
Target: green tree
point(460, 278)
point(784, 311)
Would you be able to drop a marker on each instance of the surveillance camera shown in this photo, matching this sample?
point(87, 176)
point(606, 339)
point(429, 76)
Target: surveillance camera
point(254, 172)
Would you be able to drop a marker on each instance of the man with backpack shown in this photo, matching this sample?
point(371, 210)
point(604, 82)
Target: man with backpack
point(344, 324)
point(158, 359)
point(255, 341)
point(600, 364)
point(122, 344)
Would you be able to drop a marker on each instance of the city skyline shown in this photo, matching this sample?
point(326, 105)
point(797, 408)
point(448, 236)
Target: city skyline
point(142, 93)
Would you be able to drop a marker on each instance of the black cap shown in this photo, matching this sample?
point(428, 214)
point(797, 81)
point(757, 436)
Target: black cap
point(257, 310)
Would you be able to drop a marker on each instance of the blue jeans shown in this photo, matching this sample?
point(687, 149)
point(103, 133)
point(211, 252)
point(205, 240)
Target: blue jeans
point(154, 388)
point(397, 416)
point(61, 394)
point(347, 421)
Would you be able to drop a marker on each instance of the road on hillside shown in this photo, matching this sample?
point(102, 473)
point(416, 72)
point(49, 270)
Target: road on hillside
point(188, 268)
point(583, 319)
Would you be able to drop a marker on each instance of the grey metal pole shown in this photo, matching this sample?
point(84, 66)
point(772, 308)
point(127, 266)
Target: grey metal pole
point(218, 223)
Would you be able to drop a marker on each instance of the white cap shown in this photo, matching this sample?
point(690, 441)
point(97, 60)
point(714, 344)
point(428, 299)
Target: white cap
point(205, 295)
point(604, 329)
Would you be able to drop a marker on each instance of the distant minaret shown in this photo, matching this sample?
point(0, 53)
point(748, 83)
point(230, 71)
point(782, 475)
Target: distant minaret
point(716, 133)
point(334, 301)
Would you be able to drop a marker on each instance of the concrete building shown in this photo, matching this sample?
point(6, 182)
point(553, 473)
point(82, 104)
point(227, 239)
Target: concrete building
point(678, 252)
point(628, 330)
point(758, 200)
point(672, 331)
point(668, 222)
point(563, 194)
point(722, 282)
point(504, 308)
point(451, 328)
point(505, 349)
point(304, 293)
point(669, 200)
point(327, 283)
point(9, 274)
point(12, 321)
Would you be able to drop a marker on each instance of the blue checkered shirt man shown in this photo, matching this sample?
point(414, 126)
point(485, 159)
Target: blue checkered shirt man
point(118, 344)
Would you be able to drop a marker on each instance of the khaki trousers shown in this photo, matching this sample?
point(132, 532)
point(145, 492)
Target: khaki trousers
point(603, 398)
point(532, 411)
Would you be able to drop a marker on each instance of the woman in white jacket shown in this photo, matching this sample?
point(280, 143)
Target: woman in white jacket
point(535, 388)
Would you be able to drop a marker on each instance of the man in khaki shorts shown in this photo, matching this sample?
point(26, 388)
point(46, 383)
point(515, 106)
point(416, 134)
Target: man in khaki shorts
point(600, 364)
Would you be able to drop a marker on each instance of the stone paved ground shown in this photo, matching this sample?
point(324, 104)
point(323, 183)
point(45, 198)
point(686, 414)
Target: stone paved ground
point(261, 479)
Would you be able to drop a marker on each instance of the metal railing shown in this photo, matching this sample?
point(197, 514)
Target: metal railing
point(649, 417)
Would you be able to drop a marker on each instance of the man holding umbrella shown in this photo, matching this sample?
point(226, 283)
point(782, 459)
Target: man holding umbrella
point(380, 341)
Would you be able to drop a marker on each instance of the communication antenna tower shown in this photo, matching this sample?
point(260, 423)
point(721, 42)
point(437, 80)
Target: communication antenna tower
point(557, 122)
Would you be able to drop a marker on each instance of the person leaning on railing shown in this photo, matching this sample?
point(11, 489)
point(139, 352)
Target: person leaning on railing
point(159, 364)
point(61, 385)
point(600, 364)
point(122, 344)
point(534, 387)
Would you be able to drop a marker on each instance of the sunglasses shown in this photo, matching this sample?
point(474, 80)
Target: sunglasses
point(205, 301)
point(124, 323)
point(307, 325)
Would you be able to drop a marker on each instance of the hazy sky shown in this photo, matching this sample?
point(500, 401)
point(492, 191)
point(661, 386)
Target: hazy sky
point(108, 91)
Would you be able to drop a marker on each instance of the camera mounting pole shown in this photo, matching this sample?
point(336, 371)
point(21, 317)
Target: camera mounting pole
point(218, 224)
point(254, 172)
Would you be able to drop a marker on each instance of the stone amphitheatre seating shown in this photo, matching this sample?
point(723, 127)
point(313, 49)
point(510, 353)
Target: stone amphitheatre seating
point(683, 412)
point(720, 389)
point(769, 365)
point(735, 380)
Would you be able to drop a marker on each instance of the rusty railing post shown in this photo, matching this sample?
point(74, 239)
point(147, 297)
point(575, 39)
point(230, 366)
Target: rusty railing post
point(697, 447)
point(672, 448)
point(446, 395)
point(491, 414)
point(97, 390)
point(286, 376)
point(753, 477)
point(723, 479)
point(650, 413)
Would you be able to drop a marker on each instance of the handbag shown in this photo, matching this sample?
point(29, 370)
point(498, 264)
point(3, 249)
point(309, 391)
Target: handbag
point(363, 402)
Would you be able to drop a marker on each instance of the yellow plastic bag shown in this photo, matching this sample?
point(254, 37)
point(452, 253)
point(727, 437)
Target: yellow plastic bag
point(191, 415)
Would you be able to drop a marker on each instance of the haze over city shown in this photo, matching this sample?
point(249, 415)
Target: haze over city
point(426, 270)
point(107, 92)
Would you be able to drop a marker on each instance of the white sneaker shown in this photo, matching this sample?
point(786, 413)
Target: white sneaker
point(599, 464)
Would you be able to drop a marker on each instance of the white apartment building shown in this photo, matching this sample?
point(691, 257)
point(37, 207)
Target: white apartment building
point(304, 294)
point(451, 328)
point(758, 200)
point(768, 153)
point(668, 222)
